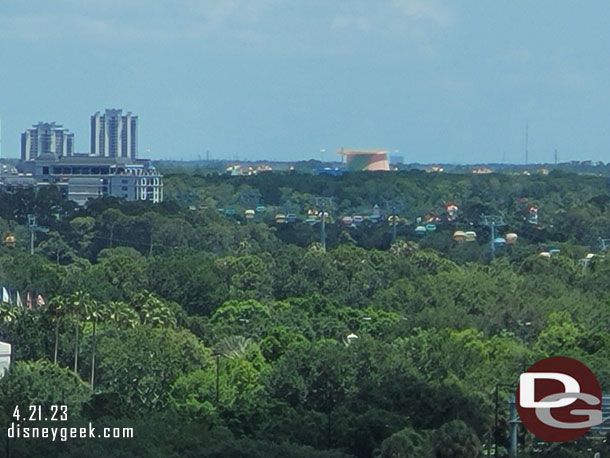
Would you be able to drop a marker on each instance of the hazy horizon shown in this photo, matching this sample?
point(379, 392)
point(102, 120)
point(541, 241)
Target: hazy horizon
point(275, 80)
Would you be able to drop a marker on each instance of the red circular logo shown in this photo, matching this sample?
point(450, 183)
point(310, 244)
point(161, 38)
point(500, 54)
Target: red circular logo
point(558, 399)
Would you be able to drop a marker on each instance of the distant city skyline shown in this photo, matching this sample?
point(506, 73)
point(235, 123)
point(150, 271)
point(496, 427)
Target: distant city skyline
point(112, 134)
point(434, 80)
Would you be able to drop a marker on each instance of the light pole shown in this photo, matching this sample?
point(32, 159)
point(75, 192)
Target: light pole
point(512, 427)
point(34, 227)
point(497, 417)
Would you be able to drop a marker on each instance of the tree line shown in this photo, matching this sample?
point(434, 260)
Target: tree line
point(213, 336)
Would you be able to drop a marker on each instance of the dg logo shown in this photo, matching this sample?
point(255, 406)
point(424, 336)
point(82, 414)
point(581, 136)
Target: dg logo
point(559, 399)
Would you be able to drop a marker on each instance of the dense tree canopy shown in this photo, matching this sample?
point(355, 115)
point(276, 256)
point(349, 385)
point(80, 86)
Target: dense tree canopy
point(215, 335)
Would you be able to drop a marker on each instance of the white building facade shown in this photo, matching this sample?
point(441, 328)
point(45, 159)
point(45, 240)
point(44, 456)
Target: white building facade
point(114, 134)
point(46, 138)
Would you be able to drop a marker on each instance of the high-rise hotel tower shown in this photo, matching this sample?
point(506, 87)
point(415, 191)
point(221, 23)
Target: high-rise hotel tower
point(46, 138)
point(114, 134)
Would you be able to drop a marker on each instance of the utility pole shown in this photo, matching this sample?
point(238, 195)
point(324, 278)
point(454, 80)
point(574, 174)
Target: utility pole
point(492, 221)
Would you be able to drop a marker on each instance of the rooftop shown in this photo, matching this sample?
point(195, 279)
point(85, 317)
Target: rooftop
point(352, 152)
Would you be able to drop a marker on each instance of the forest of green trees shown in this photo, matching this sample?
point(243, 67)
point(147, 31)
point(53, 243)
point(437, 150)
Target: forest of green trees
point(216, 336)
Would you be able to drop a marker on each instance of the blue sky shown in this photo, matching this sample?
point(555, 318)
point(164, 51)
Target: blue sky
point(438, 81)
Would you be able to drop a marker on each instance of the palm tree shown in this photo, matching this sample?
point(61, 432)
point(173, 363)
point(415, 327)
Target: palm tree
point(94, 311)
point(78, 305)
point(153, 310)
point(121, 314)
point(8, 312)
point(232, 347)
point(56, 308)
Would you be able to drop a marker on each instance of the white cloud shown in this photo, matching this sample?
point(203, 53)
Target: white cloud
point(268, 26)
point(132, 21)
point(220, 12)
point(426, 10)
point(73, 28)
